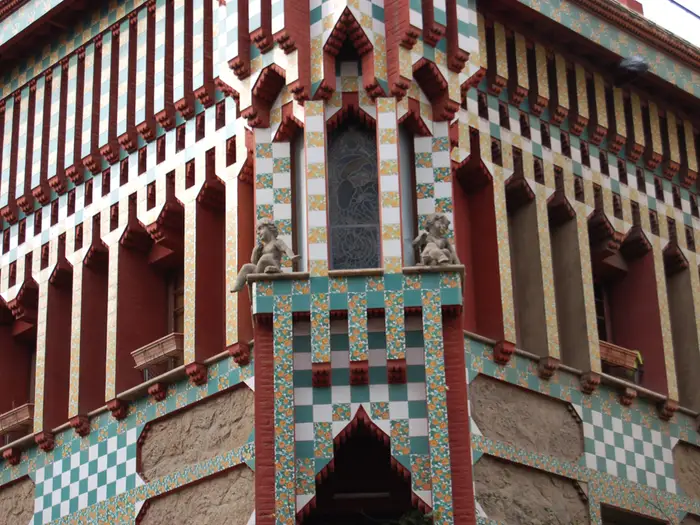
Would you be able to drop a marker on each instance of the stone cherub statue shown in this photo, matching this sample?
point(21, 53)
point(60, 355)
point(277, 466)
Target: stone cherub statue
point(435, 249)
point(267, 254)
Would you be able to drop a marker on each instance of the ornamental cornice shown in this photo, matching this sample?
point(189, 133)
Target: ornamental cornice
point(644, 29)
point(7, 7)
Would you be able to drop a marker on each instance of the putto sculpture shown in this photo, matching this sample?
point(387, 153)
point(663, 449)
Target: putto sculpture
point(267, 254)
point(432, 243)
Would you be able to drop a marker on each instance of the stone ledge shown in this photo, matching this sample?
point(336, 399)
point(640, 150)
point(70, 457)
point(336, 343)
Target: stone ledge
point(414, 270)
point(282, 276)
point(364, 272)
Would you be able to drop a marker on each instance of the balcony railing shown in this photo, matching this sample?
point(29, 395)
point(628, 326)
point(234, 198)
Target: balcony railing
point(154, 357)
point(620, 361)
point(18, 419)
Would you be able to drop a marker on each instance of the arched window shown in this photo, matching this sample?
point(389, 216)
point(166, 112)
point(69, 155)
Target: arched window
point(353, 199)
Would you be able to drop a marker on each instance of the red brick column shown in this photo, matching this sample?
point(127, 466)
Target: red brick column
point(458, 421)
point(264, 424)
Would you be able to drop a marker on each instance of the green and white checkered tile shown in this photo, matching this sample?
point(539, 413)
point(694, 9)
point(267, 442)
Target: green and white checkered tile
point(321, 414)
point(89, 476)
point(628, 450)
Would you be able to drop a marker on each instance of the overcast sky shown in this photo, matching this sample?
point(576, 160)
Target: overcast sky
point(670, 14)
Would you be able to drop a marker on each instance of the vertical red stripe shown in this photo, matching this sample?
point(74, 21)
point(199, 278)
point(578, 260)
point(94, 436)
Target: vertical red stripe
point(264, 425)
point(458, 421)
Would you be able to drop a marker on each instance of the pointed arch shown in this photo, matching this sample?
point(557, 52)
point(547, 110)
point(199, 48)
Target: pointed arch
point(336, 477)
point(348, 28)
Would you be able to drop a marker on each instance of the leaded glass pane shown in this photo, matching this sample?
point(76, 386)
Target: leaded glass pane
point(353, 194)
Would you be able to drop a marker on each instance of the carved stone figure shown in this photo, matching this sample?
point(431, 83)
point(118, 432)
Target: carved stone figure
point(432, 243)
point(267, 254)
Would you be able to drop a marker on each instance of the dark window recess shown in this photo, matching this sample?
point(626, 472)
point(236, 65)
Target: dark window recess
point(160, 149)
point(231, 151)
point(694, 206)
point(6, 241)
point(672, 231)
point(539, 170)
point(13, 274)
point(690, 238)
point(617, 206)
point(503, 116)
point(546, 136)
point(622, 170)
point(180, 138)
point(658, 189)
point(199, 126)
point(558, 178)
point(37, 221)
point(578, 189)
point(124, 171)
point(114, 217)
point(525, 125)
point(22, 231)
point(496, 154)
point(604, 168)
point(677, 197)
point(189, 174)
point(44, 261)
point(641, 180)
point(483, 104)
point(54, 212)
point(636, 216)
point(565, 144)
point(88, 192)
point(78, 237)
point(151, 195)
point(143, 157)
point(517, 160)
point(71, 202)
point(598, 196)
point(654, 222)
point(586, 156)
point(106, 182)
point(600, 311)
point(220, 114)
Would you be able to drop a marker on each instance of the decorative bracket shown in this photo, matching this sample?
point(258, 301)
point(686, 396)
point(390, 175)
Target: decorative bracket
point(158, 391)
point(590, 382)
point(503, 351)
point(118, 408)
point(359, 372)
point(46, 440)
point(81, 425)
point(321, 374)
point(197, 373)
point(240, 352)
point(396, 371)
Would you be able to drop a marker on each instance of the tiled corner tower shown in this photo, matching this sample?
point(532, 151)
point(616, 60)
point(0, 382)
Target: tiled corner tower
point(553, 372)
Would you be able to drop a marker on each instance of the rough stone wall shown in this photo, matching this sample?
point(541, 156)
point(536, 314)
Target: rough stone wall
point(17, 503)
point(526, 419)
point(687, 462)
point(209, 428)
point(511, 493)
point(228, 498)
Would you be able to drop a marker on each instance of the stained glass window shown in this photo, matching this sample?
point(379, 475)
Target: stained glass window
point(353, 195)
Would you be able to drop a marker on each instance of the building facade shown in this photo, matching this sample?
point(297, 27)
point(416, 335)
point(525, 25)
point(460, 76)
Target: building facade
point(547, 373)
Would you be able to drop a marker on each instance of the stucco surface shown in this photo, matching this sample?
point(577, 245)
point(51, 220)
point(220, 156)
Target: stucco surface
point(17, 502)
point(687, 462)
point(209, 428)
point(512, 494)
point(526, 419)
point(227, 498)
